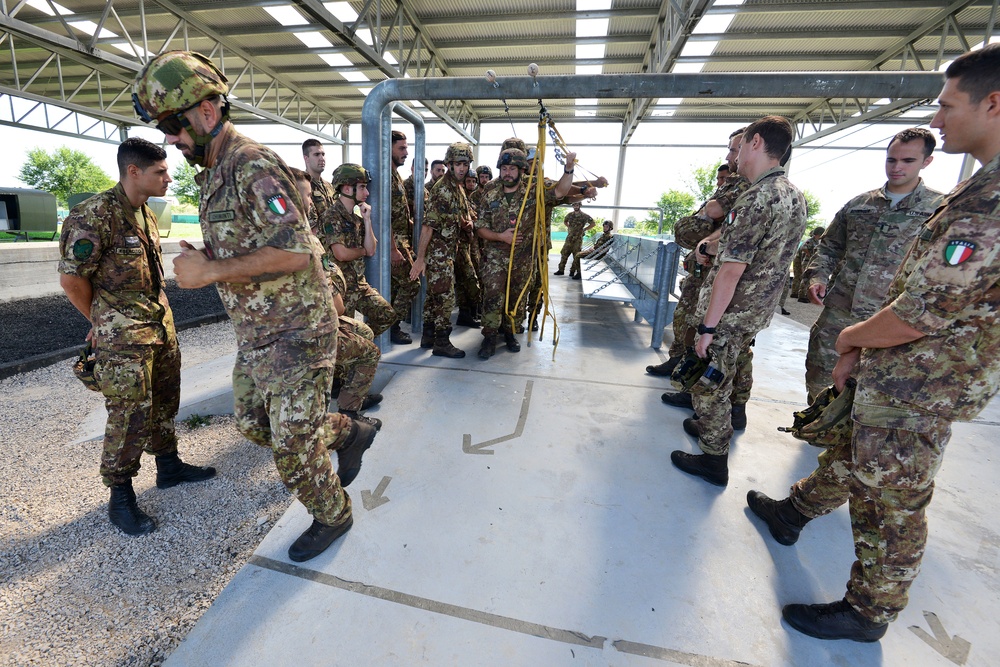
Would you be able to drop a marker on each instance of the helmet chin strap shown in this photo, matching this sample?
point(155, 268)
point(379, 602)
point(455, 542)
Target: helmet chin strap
point(201, 141)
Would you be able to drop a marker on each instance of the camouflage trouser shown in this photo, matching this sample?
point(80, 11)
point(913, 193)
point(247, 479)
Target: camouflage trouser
point(535, 296)
point(687, 304)
point(715, 409)
point(784, 293)
point(142, 389)
point(893, 482)
point(440, 272)
point(496, 258)
point(572, 246)
point(280, 394)
point(822, 357)
point(828, 486)
point(467, 291)
point(798, 289)
point(404, 290)
point(357, 361)
point(365, 299)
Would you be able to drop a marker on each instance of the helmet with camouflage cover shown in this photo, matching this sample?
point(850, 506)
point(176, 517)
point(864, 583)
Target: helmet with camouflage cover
point(827, 421)
point(690, 369)
point(349, 174)
point(513, 156)
point(513, 142)
point(174, 82)
point(84, 366)
point(458, 152)
point(484, 169)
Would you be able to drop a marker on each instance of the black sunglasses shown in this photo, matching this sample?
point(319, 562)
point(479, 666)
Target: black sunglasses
point(172, 124)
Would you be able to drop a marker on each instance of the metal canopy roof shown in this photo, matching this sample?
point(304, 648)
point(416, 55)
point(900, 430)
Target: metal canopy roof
point(303, 62)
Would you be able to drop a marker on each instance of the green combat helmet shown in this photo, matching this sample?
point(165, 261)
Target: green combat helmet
point(688, 371)
point(483, 169)
point(827, 422)
point(349, 174)
point(173, 82)
point(83, 368)
point(513, 156)
point(458, 152)
point(514, 142)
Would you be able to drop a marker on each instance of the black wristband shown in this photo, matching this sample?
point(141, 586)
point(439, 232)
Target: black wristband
point(702, 329)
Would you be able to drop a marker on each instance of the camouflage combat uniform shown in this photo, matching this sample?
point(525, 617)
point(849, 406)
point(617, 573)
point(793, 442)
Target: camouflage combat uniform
point(948, 288)
point(858, 256)
point(286, 326)
point(799, 263)
point(404, 290)
point(761, 231)
point(468, 292)
point(598, 249)
point(576, 223)
point(323, 197)
point(446, 206)
point(357, 353)
point(348, 229)
point(117, 248)
point(498, 213)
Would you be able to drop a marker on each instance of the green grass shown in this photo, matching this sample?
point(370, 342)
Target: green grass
point(8, 237)
point(184, 230)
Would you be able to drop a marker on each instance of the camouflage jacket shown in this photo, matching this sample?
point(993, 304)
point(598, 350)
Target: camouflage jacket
point(348, 229)
point(323, 197)
point(602, 240)
point(498, 213)
point(691, 229)
point(446, 207)
point(948, 287)
point(402, 218)
point(103, 241)
point(575, 224)
point(411, 195)
point(862, 248)
point(249, 201)
point(804, 255)
point(762, 231)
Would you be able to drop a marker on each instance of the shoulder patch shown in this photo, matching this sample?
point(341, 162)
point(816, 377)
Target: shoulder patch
point(278, 205)
point(83, 249)
point(958, 251)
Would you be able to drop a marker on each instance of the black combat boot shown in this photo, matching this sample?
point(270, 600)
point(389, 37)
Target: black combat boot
point(349, 455)
point(443, 346)
point(371, 421)
point(576, 276)
point(560, 272)
point(466, 318)
point(713, 468)
point(534, 323)
point(738, 416)
point(833, 620)
point(782, 519)
point(511, 342)
point(664, 369)
point(691, 427)
point(398, 336)
point(489, 347)
point(370, 401)
point(171, 471)
point(678, 399)
point(125, 513)
point(427, 338)
point(316, 539)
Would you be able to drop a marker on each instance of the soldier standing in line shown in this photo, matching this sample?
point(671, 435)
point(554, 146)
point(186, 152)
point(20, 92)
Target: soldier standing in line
point(690, 232)
point(446, 215)
point(743, 286)
point(323, 194)
point(410, 193)
point(577, 225)
point(929, 357)
point(349, 238)
point(112, 272)
point(497, 219)
point(403, 288)
point(268, 269)
point(801, 261)
point(857, 258)
point(468, 294)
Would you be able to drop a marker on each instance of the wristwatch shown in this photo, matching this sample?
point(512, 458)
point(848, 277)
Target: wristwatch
point(702, 329)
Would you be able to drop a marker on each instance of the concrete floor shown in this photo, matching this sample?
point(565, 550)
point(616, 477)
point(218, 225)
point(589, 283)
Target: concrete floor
point(524, 511)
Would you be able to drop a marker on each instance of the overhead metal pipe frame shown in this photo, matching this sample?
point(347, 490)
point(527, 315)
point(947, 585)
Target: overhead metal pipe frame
point(376, 141)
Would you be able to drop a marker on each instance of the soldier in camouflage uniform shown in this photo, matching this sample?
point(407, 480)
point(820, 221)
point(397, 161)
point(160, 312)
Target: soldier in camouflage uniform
point(268, 269)
point(112, 271)
point(357, 353)
point(499, 227)
point(802, 258)
point(349, 238)
point(601, 244)
point(404, 289)
point(447, 212)
point(468, 293)
point(323, 194)
point(577, 224)
point(410, 192)
point(930, 357)
point(743, 286)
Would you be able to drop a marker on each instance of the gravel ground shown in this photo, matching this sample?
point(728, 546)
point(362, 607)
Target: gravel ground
point(32, 327)
point(76, 591)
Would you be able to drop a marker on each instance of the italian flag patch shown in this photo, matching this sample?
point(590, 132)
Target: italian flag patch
point(277, 204)
point(957, 252)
